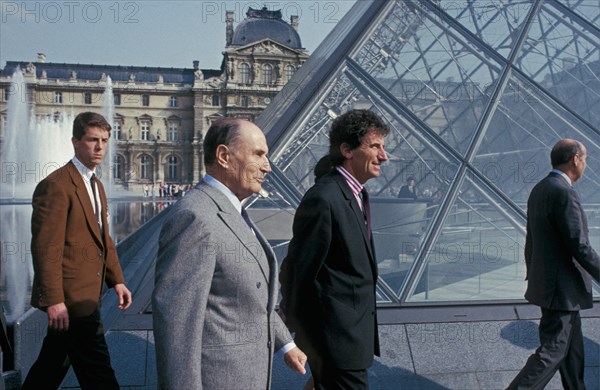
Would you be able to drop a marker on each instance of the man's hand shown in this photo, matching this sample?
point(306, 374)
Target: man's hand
point(58, 317)
point(124, 296)
point(295, 359)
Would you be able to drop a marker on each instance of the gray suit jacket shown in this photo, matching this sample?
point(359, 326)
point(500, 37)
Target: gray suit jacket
point(215, 291)
point(558, 254)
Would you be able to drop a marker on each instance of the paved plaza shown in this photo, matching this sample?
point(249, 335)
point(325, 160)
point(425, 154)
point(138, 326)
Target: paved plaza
point(482, 355)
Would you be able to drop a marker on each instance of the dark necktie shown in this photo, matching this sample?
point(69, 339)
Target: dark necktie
point(96, 204)
point(263, 244)
point(248, 220)
point(366, 210)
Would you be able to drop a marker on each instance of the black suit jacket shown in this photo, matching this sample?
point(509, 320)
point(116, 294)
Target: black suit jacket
point(558, 254)
point(328, 277)
point(406, 193)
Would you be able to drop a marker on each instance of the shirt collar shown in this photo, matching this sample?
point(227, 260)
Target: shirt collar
point(85, 171)
point(226, 191)
point(564, 175)
point(354, 184)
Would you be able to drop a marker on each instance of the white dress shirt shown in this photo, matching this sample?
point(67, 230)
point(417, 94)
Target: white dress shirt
point(86, 174)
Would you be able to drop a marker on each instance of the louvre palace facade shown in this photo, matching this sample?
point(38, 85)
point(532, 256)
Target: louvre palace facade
point(161, 114)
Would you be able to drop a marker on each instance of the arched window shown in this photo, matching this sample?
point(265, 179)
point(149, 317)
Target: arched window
point(267, 74)
point(172, 168)
point(289, 72)
point(245, 73)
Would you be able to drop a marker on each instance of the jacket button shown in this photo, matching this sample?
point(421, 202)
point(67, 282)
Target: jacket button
point(98, 274)
point(100, 253)
point(258, 284)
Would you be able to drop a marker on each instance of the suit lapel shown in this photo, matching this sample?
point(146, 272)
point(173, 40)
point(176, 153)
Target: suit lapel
point(104, 211)
point(272, 266)
point(358, 214)
point(234, 221)
point(86, 203)
point(360, 220)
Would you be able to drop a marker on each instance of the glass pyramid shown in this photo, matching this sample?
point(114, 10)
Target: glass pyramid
point(475, 94)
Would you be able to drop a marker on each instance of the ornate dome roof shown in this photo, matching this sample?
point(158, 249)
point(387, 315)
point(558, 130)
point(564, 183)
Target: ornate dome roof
point(264, 24)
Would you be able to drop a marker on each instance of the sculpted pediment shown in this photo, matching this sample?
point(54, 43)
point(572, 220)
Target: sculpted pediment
point(269, 47)
point(266, 47)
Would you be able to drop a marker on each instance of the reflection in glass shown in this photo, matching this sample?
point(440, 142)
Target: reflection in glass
point(477, 254)
point(475, 95)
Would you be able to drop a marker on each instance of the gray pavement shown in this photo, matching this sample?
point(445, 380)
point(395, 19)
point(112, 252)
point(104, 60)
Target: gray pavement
point(444, 355)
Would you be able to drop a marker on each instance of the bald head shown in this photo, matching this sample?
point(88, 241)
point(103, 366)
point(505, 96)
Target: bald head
point(563, 151)
point(235, 153)
point(569, 156)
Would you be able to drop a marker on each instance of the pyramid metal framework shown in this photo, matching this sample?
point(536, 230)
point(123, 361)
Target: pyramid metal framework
point(475, 94)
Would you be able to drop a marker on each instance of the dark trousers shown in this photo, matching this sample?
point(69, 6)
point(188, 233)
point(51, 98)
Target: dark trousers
point(328, 377)
point(561, 348)
point(83, 346)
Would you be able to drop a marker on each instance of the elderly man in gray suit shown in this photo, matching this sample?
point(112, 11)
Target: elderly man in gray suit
point(216, 276)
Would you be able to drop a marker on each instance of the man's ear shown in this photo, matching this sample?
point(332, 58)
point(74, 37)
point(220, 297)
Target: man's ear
point(222, 156)
point(346, 151)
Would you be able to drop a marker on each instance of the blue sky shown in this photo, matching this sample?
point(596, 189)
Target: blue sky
point(145, 33)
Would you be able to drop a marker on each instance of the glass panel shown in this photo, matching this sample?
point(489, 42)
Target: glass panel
point(431, 83)
point(564, 58)
point(478, 254)
point(498, 24)
point(515, 152)
point(443, 79)
point(587, 9)
point(308, 143)
point(400, 224)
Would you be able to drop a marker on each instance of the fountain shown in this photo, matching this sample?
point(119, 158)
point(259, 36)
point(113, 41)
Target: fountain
point(107, 163)
point(32, 148)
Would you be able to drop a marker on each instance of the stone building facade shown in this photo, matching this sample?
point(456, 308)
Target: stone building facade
point(161, 114)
